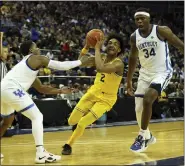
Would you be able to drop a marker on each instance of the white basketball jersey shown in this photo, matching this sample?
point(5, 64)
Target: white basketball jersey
point(153, 53)
point(21, 74)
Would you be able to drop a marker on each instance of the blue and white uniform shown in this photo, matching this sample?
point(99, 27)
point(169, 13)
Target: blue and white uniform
point(14, 86)
point(154, 60)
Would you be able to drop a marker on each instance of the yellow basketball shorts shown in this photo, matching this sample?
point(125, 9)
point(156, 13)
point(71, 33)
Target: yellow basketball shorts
point(98, 103)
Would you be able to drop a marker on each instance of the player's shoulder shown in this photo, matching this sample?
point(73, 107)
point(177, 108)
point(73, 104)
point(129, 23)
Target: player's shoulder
point(118, 62)
point(133, 37)
point(162, 28)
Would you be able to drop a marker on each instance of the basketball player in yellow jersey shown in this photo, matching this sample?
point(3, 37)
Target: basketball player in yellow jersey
point(102, 95)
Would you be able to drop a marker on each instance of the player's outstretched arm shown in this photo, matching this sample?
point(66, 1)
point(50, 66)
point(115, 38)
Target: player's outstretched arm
point(132, 62)
point(48, 89)
point(167, 34)
point(37, 62)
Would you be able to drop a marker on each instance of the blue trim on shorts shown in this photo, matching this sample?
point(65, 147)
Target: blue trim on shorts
point(28, 107)
point(166, 80)
point(139, 95)
point(6, 116)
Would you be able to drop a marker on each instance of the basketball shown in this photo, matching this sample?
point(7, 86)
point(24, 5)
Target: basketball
point(91, 37)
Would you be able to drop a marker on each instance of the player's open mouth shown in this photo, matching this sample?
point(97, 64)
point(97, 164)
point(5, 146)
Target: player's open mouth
point(111, 48)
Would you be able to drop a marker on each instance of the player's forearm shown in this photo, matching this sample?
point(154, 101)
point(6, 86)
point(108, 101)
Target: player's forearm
point(83, 52)
point(50, 90)
point(177, 43)
point(98, 60)
point(64, 65)
point(132, 62)
point(1, 42)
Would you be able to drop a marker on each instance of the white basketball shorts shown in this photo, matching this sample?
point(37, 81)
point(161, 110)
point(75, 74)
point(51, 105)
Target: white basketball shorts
point(145, 80)
point(14, 98)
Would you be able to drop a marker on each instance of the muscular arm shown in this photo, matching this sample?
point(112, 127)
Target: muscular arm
point(167, 34)
point(1, 42)
point(44, 88)
point(132, 62)
point(116, 66)
point(37, 62)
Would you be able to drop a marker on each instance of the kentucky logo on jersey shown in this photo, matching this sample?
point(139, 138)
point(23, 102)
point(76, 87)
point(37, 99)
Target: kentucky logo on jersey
point(19, 93)
point(150, 44)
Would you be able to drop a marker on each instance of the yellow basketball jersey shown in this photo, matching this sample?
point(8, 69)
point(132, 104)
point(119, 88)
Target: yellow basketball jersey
point(107, 82)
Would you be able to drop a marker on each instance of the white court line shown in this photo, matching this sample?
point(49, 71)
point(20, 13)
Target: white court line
point(89, 143)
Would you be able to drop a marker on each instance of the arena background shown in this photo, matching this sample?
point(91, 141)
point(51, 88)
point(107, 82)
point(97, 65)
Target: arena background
point(59, 30)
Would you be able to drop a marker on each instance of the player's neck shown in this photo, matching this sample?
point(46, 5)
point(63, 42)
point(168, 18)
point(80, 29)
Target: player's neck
point(110, 58)
point(147, 31)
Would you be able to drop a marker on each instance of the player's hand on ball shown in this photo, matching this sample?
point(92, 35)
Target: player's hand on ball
point(87, 45)
point(100, 41)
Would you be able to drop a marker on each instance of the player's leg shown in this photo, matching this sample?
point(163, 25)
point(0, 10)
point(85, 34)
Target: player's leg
point(95, 113)
point(7, 121)
point(7, 114)
point(139, 94)
point(158, 83)
point(36, 117)
point(74, 126)
point(21, 102)
point(83, 106)
point(151, 94)
point(81, 109)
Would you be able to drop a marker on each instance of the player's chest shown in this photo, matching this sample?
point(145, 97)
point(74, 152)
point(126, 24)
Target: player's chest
point(146, 44)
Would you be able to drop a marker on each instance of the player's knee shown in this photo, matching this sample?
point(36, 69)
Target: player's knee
point(8, 121)
point(39, 117)
point(71, 121)
point(150, 96)
point(148, 99)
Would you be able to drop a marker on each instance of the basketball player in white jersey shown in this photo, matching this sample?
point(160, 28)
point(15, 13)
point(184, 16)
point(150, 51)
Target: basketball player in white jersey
point(149, 43)
point(4, 123)
point(14, 96)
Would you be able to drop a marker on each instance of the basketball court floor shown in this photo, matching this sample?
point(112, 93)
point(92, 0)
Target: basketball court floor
point(102, 146)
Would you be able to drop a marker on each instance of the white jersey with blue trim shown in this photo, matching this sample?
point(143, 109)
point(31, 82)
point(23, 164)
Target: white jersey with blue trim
point(153, 53)
point(21, 74)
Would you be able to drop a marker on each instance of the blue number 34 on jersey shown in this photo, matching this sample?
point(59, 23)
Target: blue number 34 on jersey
point(19, 93)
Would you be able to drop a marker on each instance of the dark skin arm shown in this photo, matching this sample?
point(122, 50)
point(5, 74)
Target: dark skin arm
point(48, 89)
point(166, 33)
point(1, 42)
point(132, 63)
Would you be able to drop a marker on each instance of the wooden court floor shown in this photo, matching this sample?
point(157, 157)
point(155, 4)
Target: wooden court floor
point(99, 146)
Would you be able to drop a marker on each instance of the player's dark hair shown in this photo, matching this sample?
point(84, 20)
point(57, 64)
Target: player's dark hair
point(25, 47)
point(117, 37)
point(142, 9)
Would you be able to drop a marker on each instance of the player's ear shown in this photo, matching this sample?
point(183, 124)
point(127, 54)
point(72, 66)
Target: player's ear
point(30, 50)
point(119, 49)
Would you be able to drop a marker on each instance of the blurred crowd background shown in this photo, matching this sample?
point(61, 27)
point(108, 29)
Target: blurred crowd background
point(59, 30)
